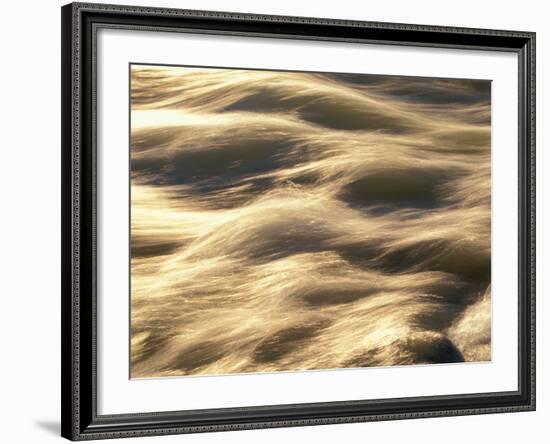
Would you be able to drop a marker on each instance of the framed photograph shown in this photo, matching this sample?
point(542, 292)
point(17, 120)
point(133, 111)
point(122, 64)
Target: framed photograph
point(283, 221)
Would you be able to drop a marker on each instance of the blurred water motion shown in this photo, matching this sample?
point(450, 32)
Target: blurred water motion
point(291, 221)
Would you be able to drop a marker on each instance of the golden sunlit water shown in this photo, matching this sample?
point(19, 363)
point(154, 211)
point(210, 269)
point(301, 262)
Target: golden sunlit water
point(286, 221)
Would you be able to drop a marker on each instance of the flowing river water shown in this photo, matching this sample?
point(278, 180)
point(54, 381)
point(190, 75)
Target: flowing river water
point(285, 221)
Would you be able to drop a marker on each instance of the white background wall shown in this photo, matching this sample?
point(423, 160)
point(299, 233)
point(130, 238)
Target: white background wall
point(30, 220)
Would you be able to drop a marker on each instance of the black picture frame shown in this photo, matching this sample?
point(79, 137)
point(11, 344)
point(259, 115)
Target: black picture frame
point(80, 420)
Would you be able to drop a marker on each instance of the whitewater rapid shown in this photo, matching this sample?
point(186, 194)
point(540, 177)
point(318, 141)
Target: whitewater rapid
point(287, 221)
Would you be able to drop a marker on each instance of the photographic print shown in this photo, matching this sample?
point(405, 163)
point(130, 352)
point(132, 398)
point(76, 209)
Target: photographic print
point(291, 221)
point(318, 221)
